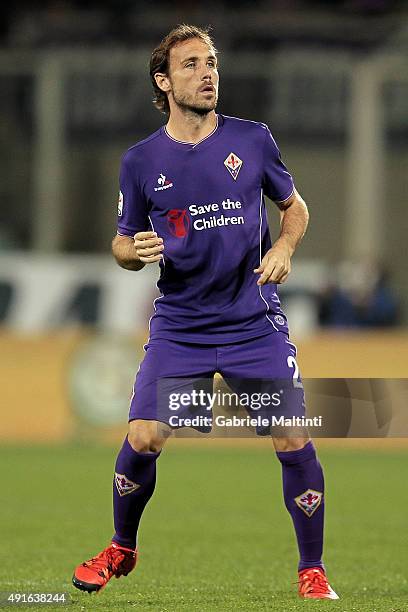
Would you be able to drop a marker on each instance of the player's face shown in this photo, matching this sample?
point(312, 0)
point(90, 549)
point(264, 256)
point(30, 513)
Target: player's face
point(193, 76)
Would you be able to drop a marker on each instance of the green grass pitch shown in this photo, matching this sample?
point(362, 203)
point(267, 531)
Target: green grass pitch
point(215, 536)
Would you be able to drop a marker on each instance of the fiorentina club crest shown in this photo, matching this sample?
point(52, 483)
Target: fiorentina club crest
point(233, 164)
point(309, 501)
point(178, 221)
point(124, 485)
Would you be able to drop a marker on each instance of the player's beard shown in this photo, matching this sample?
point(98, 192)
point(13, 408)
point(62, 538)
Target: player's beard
point(187, 103)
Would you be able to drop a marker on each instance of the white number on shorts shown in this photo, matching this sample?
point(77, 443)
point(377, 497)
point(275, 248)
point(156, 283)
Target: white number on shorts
point(292, 363)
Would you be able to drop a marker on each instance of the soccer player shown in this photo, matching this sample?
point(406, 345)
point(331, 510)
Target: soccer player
point(192, 199)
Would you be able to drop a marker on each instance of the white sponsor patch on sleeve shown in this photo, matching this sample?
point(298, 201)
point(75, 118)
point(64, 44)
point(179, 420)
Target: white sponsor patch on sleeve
point(120, 204)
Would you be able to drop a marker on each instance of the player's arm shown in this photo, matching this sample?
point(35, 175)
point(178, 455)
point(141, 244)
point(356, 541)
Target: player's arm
point(277, 184)
point(275, 266)
point(134, 245)
point(133, 253)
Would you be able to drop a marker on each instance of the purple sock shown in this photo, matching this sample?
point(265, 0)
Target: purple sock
point(303, 490)
point(133, 486)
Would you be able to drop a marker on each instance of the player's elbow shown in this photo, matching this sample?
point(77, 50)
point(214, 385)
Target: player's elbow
point(299, 200)
point(126, 264)
point(117, 250)
point(121, 251)
point(123, 263)
point(306, 212)
point(302, 207)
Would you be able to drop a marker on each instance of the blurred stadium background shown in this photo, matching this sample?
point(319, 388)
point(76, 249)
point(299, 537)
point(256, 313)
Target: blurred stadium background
point(331, 81)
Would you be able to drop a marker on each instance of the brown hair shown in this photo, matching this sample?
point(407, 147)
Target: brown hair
point(159, 61)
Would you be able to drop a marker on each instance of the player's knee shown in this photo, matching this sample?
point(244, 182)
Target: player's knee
point(145, 438)
point(144, 443)
point(289, 444)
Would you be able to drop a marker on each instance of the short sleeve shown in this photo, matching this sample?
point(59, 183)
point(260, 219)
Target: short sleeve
point(277, 182)
point(133, 209)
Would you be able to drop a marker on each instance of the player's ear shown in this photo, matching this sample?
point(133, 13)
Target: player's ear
point(162, 81)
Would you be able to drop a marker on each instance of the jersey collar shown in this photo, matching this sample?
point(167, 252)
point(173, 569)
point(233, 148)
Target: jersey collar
point(193, 145)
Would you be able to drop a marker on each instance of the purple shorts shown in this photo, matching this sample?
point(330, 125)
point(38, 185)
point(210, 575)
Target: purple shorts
point(266, 364)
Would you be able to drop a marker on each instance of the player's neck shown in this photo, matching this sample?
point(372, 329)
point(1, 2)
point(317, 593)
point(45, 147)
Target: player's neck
point(190, 127)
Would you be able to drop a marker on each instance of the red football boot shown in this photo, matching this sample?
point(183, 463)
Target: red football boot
point(95, 574)
point(313, 584)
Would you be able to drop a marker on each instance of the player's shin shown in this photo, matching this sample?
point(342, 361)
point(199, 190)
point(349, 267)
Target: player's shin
point(303, 489)
point(133, 485)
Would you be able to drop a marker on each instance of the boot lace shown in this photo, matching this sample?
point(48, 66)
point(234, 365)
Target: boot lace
point(108, 560)
point(314, 582)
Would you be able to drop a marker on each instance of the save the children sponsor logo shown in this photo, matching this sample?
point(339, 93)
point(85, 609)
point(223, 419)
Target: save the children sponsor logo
point(204, 216)
point(178, 222)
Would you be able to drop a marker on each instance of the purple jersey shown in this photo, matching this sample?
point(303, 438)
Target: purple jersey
point(206, 201)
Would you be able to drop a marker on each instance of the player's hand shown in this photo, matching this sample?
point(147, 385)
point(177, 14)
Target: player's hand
point(275, 265)
point(148, 246)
